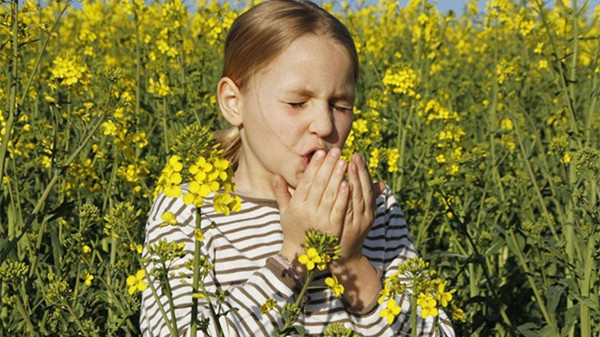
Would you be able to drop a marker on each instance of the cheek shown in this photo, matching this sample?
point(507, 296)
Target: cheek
point(344, 125)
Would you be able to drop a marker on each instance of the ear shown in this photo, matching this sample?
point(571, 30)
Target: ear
point(229, 96)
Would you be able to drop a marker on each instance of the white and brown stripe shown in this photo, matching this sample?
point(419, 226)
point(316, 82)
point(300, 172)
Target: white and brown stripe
point(241, 247)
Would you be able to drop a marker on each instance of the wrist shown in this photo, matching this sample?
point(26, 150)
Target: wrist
point(361, 280)
point(290, 259)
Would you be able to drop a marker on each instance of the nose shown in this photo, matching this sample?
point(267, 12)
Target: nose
point(321, 122)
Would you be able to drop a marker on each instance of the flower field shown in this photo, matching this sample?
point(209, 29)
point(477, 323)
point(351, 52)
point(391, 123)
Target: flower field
point(485, 125)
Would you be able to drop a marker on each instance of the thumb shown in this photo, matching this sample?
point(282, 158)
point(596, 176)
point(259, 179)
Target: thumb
point(378, 188)
point(282, 195)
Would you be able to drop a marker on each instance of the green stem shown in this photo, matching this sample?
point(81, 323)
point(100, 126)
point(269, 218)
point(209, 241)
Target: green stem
point(138, 61)
point(196, 277)
point(169, 324)
point(589, 265)
point(575, 49)
point(413, 316)
point(547, 317)
point(169, 293)
point(164, 120)
point(13, 82)
point(534, 182)
point(309, 277)
point(117, 302)
point(563, 80)
point(25, 316)
point(76, 319)
point(213, 312)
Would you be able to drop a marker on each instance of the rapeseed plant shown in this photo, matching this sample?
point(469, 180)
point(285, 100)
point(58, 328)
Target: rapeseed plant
point(483, 123)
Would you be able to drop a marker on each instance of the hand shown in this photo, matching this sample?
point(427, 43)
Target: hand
point(360, 212)
point(319, 202)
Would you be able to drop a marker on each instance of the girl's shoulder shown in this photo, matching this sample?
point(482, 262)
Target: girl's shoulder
point(210, 206)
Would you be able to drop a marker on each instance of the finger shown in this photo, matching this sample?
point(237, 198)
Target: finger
point(304, 185)
point(321, 178)
point(331, 192)
point(366, 183)
point(358, 202)
point(282, 193)
point(340, 207)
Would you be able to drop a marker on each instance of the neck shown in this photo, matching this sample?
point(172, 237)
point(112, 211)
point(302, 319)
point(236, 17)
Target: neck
point(253, 184)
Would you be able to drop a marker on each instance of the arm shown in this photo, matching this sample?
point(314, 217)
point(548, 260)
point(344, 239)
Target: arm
point(261, 282)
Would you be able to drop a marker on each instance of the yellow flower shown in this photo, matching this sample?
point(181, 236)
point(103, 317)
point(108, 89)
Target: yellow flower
point(539, 48)
point(136, 282)
point(506, 124)
point(172, 188)
point(136, 247)
point(198, 235)
point(310, 258)
point(392, 160)
point(88, 278)
point(392, 309)
point(226, 203)
point(334, 285)
point(325, 259)
point(70, 70)
point(458, 314)
point(444, 296)
point(267, 306)
point(428, 305)
point(566, 158)
point(86, 249)
point(159, 88)
point(169, 218)
point(197, 193)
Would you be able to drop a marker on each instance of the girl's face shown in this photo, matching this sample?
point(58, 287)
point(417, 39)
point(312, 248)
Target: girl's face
point(300, 103)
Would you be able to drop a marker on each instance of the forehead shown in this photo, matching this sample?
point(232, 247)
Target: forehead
point(311, 62)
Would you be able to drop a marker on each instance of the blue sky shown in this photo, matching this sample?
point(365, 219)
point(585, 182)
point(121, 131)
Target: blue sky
point(457, 5)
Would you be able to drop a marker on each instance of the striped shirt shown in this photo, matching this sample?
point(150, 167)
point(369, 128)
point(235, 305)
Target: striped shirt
point(242, 246)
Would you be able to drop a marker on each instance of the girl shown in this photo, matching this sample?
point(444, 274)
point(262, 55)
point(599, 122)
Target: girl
point(288, 90)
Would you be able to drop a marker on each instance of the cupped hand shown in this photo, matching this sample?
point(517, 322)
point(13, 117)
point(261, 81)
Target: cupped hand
point(319, 201)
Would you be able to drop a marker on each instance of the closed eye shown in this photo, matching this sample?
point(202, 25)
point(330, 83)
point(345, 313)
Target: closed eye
point(296, 105)
point(343, 109)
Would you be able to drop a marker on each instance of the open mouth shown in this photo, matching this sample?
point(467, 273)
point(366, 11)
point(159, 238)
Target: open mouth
point(307, 157)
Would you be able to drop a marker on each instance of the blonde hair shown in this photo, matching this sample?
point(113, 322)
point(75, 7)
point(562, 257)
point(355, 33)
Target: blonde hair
point(259, 35)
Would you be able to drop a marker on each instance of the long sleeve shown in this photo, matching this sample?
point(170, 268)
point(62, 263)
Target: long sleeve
point(249, 285)
point(241, 246)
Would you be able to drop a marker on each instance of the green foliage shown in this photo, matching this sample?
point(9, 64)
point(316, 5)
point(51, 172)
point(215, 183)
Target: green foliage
point(485, 126)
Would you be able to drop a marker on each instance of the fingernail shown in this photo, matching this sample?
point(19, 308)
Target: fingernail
point(334, 152)
point(340, 165)
point(319, 154)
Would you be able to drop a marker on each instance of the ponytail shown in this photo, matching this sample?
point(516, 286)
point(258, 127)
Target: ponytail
point(230, 142)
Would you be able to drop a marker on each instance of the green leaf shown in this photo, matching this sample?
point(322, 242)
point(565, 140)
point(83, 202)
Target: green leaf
point(527, 330)
point(56, 250)
point(547, 331)
point(553, 295)
point(571, 316)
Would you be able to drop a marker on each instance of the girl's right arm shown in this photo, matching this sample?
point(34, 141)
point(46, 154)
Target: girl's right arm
point(244, 299)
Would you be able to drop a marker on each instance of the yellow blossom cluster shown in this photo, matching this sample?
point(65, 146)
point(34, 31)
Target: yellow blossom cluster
point(428, 294)
point(401, 79)
point(69, 70)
